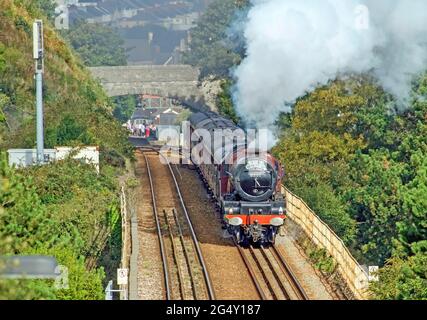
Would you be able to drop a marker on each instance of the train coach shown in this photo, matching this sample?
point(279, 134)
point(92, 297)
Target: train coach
point(246, 186)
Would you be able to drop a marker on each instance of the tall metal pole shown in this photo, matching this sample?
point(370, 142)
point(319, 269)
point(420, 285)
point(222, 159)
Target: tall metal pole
point(40, 125)
point(38, 52)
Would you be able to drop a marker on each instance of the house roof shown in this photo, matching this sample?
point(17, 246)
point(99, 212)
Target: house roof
point(170, 111)
point(141, 113)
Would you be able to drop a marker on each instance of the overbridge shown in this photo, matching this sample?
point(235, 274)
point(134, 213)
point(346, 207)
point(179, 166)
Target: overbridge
point(174, 81)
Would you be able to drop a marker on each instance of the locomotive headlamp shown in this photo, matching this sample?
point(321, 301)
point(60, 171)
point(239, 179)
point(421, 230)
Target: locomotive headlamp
point(277, 222)
point(236, 221)
point(230, 211)
point(281, 211)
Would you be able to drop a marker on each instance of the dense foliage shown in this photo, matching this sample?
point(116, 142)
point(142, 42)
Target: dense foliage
point(354, 155)
point(46, 6)
point(97, 44)
point(225, 102)
point(211, 48)
point(77, 111)
point(65, 210)
point(404, 278)
point(124, 107)
point(363, 168)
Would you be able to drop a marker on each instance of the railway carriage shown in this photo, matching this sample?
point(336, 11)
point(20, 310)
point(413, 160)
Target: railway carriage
point(247, 187)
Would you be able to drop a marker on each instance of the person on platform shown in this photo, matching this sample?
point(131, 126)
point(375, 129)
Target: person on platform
point(153, 131)
point(141, 130)
point(147, 132)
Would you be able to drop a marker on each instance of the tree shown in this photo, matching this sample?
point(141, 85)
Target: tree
point(21, 213)
point(65, 207)
point(4, 101)
point(376, 203)
point(225, 102)
point(319, 140)
point(211, 48)
point(83, 284)
point(124, 107)
point(414, 206)
point(70, 131)
point(97, 44)
point(2, 58)
point(403, 278)
point(66, 210)
point(47, 7)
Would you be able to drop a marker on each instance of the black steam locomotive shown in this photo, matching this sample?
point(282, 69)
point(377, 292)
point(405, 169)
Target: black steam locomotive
point(246, 185)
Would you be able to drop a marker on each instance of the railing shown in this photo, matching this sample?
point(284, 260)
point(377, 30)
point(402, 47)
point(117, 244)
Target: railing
point(321, 234)
point(124, 294)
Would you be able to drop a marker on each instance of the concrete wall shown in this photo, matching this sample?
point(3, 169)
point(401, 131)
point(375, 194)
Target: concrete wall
point(355, 276)
point(28, 157)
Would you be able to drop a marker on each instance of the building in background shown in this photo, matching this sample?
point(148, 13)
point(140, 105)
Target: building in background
point(155, 32)
point(156, 116)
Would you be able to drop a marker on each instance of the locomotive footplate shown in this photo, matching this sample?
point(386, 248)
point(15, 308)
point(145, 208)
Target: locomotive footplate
point(253, 208)
point(254, 221)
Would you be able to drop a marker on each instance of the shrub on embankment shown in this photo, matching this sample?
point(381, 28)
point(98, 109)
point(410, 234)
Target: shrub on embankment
point(64, 209)
point(77, 111)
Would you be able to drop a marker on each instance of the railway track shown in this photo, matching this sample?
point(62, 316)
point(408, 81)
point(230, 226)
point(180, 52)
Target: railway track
point(269, 271)
point(185, 273)
point(271, 274)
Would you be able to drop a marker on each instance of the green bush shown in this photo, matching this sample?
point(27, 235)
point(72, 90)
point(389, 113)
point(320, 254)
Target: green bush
point(225, 102)
point(97, 44)
point(66, 210)
point(330, 208)
point(403, 278)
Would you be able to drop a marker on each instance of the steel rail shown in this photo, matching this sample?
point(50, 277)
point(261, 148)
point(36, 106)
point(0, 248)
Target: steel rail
point(263, 273)
point(209, 286)
point(186, 255)
point(275, 274)
point(290, 275)
point(208, 282)
point(175, 256)
point(159, 233)
point(251, 271)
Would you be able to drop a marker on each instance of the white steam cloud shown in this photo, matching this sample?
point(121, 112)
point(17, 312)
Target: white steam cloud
point(295, 45)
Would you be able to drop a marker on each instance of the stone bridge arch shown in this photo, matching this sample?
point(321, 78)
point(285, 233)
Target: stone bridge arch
point(179, 82)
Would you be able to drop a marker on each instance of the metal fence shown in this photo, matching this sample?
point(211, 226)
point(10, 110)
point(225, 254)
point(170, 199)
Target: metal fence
point(124, 294)
point(322, 236)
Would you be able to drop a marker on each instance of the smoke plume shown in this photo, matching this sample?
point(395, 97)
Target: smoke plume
point(294, 46)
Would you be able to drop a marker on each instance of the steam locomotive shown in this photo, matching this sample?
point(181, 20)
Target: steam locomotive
point(246, 186)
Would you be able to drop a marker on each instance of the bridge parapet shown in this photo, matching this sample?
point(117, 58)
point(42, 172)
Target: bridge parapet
point(147, 73)
point(174, 81)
